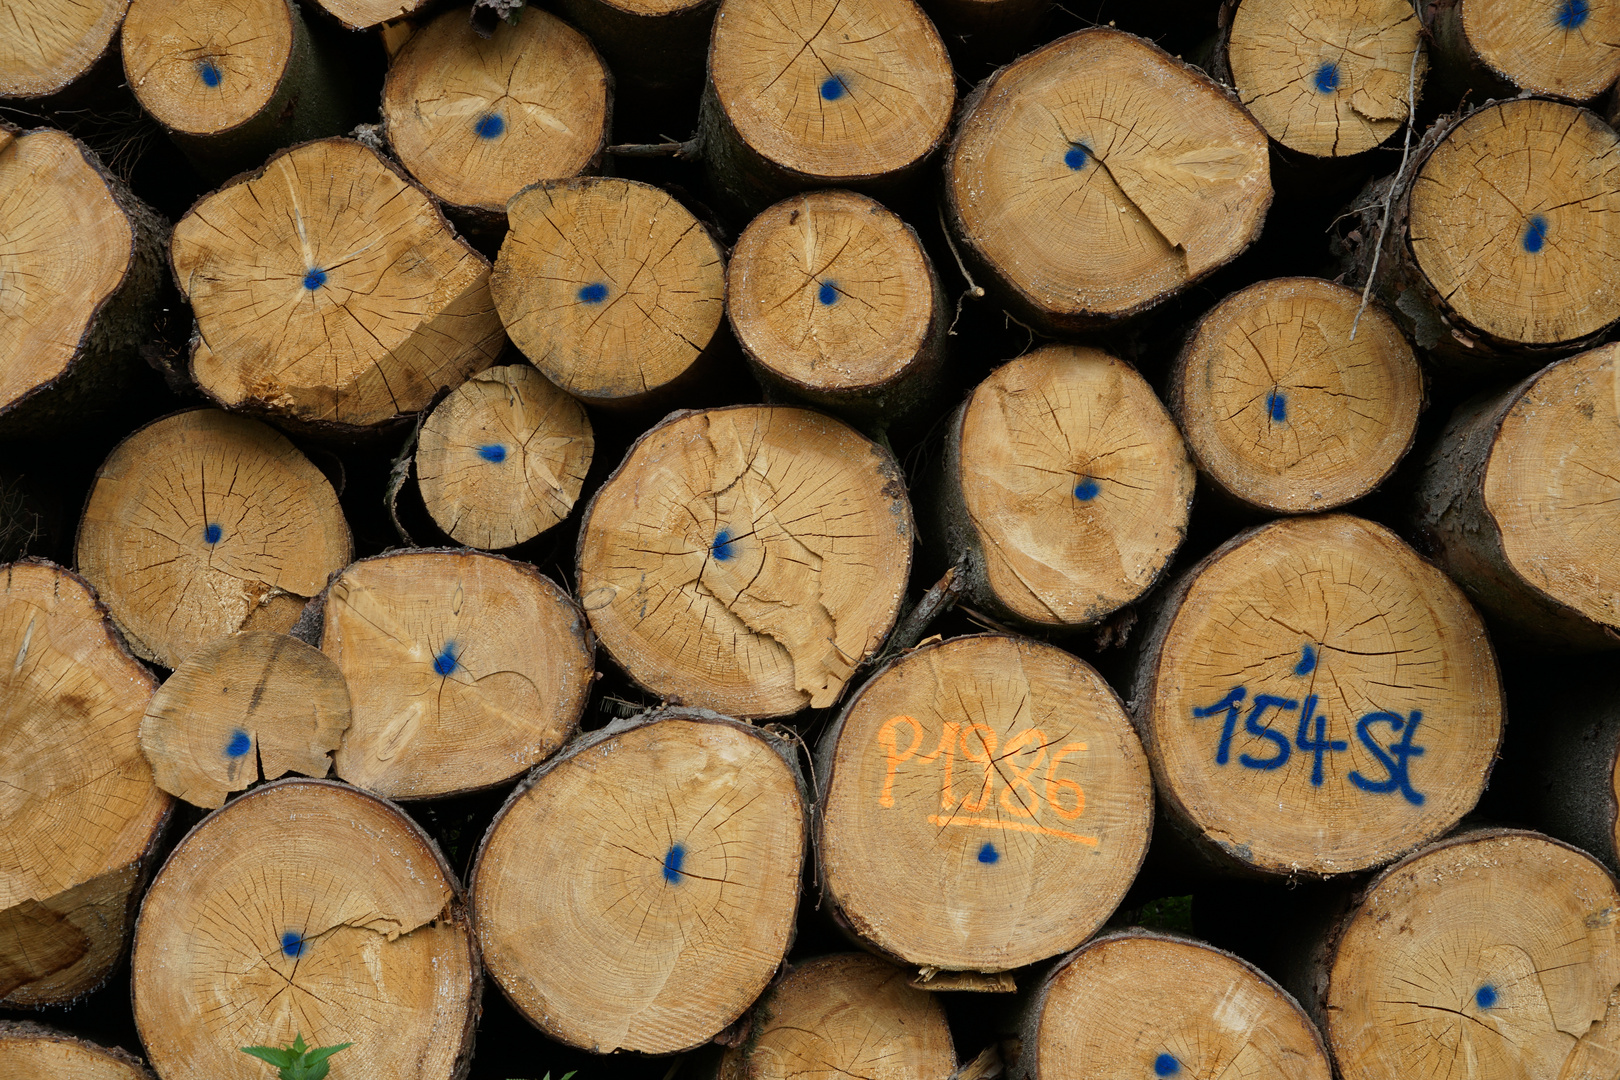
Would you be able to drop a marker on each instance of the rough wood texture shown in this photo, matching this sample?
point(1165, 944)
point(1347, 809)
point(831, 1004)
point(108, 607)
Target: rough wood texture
point(611, 288)
point(1565, 48)
point(1370, 703)
point(306, 906)
point(1572, 786)
point(47, 44)
point(1149, 1005)
point(639, 890)
point(364, 14)
point(821, 94)
point(78, 806)
point(202, 524)
point(1520, 502)
point(1489, 954)
point(33, 1050)
point(464, 669)
point(984, 804)
point(503, 458)
point(243, 707)
point(834, 301)
point(747, 559)
point(656, 47)
point(1096, 176)
point(330, 292)
point(1282, 410)
point(81, 266)
point(478, 119)
point(1066, 488)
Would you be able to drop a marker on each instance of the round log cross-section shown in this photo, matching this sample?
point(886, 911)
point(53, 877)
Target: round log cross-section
point(1564, 48)
point(32, 1050)
point(638, 892)
point(1096, 176)
point(985, 804)
point(1316, 699)
point(306, 907)
point(202, 524)
point(50, 43)
point(747, 559)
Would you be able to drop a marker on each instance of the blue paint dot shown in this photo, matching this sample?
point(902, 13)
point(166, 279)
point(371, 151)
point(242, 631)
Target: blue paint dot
point(1326, 79)
point(1485, 996)
point(672, 864)
point(1086, 489)
point(833, 88)
point(209, 73)
point(1572, 13)
point(1166, 1065)
point(489, 126)
point(212, 534)
point(988, 853)
point(314, 279)
point(828, 293)
point(292, 943)
point(723, 547)
point(594, 293)
point(1307, 660)
point(1277, 406)
point(240, 743)
point(1535, 234)
point(493, 452)
point(446, 663)
point(1076, 157)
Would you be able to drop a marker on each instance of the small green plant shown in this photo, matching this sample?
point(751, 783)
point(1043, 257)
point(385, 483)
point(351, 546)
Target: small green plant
point(298, 1062)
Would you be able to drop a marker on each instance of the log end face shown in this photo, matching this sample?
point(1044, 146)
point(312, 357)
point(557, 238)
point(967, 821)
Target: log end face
point(203, 68)
point(53, 42)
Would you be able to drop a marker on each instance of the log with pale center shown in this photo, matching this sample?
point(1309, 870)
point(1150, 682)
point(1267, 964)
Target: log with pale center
point(639, 890)
point(464, 669)
point(747, 559)
point(1316, 699)
point(1565, 48)
point(306, 907)
point(1096, 176)
point(985, 804)
point(29, 1050)
point(503, 458)
point(330, 292)
point(79, 811)
point(47, 44)
point(202, 524)
point(1283, 409)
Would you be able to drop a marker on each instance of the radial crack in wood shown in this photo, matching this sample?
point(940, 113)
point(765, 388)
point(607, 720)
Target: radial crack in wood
point(1566, 48)
point(47, 44)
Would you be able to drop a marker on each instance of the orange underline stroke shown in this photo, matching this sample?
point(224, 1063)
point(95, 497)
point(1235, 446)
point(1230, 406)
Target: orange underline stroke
point(1017, 826)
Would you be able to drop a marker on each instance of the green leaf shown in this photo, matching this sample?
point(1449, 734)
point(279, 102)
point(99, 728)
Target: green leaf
point(315, 1057)
point(298, 1046)
point(281, 1059)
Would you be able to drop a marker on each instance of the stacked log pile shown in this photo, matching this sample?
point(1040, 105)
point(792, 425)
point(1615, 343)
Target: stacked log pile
point(753, 539)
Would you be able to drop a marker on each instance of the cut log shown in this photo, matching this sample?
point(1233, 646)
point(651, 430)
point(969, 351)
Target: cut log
point(243, 706)
point(1520, 502)
point(202, 524)
point(1501, 271)
point(1495, 48)
point(1572, 779)
point(656, 48)
point(49, 44)
point(306, 907)
point(834, 301)
point(1370, 703)
point(822, 94)
point(33, 1050)
point(1328, 79)
point(1096, 176)
point(1149, 1005)
point(503, 458)
point(365, 14)
point(850, 1015)
point(476, 120)
point(330, 293)
point(612, 288)
point(464, 670)
point(80, 272)
point(986, 29)
point(984, 805)
point(1490, 954)
point(639, 890)
point(232, 82)
point(747, 559)
point(1283, 410)
point(1066, 488)
point(78, 807)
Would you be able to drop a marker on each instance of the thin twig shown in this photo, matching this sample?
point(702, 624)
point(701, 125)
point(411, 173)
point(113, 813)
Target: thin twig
point(680, 151)
point(1395, 185)
point(974, 289)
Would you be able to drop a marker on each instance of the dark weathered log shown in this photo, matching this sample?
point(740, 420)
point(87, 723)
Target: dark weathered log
point(1570, 779)
point(656, 48)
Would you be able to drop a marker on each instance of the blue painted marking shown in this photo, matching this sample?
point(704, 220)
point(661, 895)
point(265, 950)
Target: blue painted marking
point(209, 73)
point(240, 743)
point(212, 533)
point(1485, 996)
point(1572, 13)
point(723, 547)
point(833, 88)
point(1307, 660)
point(1076, 157)
point(314, 279)
point(594, 293)
point(1166, 1065)
point(828, 293)
point(292, 943)
point(489, 126)
point(446, 663)
point(1277, 406)
point(1326, 79)
point(1086, 489)
point(988, 853)
point(1535, 234)
point(493, 452)
point(1318, 746)
point(1399, 766)
point(672, 864)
